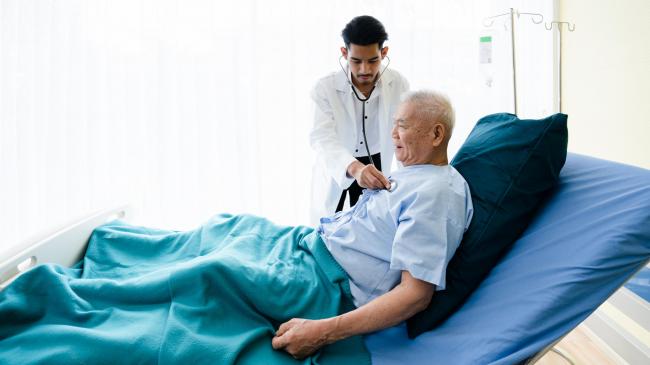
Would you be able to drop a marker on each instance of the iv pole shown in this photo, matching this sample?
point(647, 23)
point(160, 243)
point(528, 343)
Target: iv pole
point(514, 63)
point(512, 14)
point(571, 28)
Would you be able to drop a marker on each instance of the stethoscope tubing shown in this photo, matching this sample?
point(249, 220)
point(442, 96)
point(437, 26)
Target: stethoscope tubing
point(363, 104)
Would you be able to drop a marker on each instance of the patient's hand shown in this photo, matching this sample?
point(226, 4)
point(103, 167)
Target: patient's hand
point(300, 337)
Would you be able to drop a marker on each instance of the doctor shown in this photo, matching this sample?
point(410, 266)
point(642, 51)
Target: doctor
point(347, 159)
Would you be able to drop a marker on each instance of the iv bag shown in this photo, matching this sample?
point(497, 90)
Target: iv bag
point(485, 58)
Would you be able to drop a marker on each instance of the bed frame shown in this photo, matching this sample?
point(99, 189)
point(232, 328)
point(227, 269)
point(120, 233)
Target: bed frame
point(617, 327)
point(65, 245)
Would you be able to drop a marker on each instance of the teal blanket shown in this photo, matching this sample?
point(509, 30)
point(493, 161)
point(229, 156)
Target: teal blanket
point(212, 295)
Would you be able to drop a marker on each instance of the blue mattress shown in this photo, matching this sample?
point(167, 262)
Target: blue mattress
point(591, 235)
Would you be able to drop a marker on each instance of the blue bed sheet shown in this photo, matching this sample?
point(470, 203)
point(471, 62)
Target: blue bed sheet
point(591, 235)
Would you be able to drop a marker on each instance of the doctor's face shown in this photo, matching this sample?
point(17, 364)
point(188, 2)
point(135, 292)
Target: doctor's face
point(365, 62)
point(413, 138)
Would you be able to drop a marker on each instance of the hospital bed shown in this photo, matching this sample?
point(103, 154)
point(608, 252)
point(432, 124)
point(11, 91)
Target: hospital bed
point(589, 238)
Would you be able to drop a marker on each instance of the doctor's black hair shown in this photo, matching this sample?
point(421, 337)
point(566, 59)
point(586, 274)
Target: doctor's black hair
point(364, 30)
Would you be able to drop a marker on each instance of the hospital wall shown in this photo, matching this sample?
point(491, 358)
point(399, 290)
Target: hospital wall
point(606, 79)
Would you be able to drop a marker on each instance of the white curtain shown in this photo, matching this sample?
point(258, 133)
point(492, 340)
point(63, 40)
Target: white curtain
point(184, 109)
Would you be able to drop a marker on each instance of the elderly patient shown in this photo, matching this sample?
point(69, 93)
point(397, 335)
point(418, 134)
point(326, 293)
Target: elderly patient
point(217, 294)
point(394, 244)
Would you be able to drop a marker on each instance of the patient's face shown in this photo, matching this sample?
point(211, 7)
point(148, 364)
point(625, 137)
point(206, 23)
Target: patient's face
point(413, 139)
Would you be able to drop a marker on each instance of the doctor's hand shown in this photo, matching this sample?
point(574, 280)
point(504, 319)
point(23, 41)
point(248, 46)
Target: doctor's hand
point(300, 337)
point(368, 176)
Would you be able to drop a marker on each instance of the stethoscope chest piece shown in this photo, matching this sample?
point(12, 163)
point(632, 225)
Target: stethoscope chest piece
point(393, 185)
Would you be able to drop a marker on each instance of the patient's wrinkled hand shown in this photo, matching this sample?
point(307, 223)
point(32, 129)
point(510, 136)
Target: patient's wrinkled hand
point(300, 337)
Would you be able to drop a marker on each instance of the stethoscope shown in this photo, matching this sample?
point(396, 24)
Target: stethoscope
point(363, 103)
point(393, 183)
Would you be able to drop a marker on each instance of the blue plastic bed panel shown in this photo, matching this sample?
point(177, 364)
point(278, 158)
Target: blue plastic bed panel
point(591, 235)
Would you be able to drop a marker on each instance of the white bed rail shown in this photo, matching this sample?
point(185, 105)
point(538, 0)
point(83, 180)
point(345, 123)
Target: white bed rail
point(65, 246)
point(622, 325)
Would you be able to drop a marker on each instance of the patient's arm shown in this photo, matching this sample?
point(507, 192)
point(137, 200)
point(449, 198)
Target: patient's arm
point(302, 337)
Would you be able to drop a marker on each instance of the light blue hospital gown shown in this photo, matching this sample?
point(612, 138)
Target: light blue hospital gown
point(417, 228)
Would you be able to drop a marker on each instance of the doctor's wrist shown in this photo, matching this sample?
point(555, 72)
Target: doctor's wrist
point(354, 168)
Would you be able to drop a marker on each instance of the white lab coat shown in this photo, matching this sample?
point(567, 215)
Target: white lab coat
point(334, 135)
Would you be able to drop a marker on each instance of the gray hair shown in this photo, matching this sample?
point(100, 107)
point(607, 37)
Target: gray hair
point(432, 106)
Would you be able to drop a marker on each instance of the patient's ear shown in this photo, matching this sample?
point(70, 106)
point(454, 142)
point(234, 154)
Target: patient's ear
point(439, 133)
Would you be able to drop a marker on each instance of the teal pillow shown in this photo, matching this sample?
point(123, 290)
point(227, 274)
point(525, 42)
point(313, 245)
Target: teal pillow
point(509, 165)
